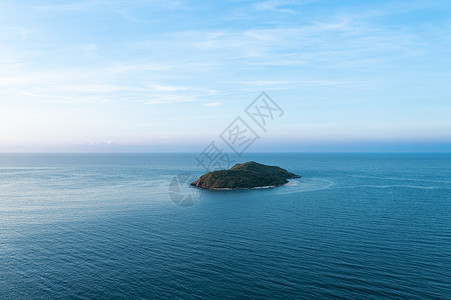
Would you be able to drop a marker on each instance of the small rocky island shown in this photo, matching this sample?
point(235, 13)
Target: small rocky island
point(245, 176)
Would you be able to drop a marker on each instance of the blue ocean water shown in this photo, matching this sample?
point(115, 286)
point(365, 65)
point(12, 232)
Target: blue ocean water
point(103, 226)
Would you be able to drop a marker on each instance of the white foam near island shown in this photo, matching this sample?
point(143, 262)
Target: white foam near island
point(265, 187)
point(289, 183)
point(252, 188)
point(317, 184)
point(306, 185)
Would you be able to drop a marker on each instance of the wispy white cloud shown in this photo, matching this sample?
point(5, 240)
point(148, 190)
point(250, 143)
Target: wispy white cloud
point(83, 5)
point(212, 104)
point(341, 41)
point(108, 142)
point(170, 99)
point(310, 83)
point(74, 6)
point(282, 6)
point(166, 88)
point(111, 64)
point(86, 85)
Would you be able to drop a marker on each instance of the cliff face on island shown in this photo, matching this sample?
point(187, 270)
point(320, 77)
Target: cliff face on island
point(246, 175)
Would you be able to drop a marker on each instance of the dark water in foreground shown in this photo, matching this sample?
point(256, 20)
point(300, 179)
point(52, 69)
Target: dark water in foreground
point(102, 226)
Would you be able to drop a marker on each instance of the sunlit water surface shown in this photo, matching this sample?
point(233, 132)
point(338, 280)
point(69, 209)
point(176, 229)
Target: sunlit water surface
point(103, 226)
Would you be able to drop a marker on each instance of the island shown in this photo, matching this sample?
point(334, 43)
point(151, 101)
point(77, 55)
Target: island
point(244, 176)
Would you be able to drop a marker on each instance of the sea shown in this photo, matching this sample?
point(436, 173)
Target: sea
point(129, 226)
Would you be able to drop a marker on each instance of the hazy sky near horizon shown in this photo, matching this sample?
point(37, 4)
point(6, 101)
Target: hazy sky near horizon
point(171, 75)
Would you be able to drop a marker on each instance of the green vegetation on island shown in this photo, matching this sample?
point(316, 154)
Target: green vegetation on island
point(246, 175)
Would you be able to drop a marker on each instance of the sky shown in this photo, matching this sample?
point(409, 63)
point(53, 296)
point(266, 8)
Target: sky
point(157, 75)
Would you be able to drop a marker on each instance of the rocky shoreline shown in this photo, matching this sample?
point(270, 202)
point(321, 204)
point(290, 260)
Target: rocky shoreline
point(250, 175)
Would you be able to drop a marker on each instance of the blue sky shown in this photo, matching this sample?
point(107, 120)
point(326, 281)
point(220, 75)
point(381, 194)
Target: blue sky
point(155, 75)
